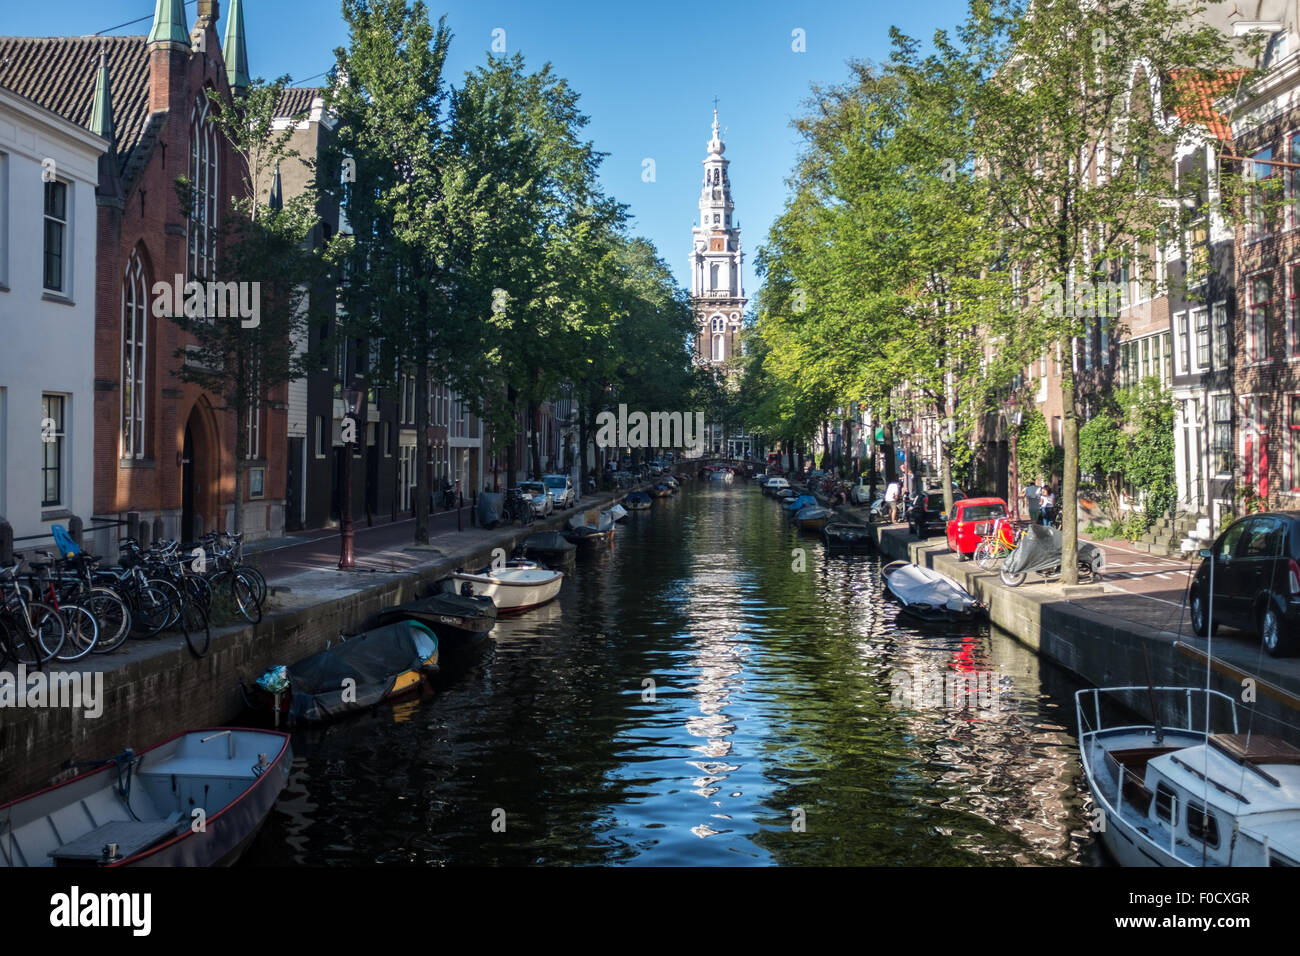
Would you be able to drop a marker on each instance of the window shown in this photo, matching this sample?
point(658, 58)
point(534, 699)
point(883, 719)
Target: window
point(1293, 442)
point(1293, 310)
point(1293, 178)
point(1165, 801)
point(135, 395)
point(1222, 336)
point(204, 186)
point(719, 348)
point(1261, 295)
point(1222, 436)
point(1260, 217)
point(1184, 343)
point(1201, 324)
point(256, 482)
point(52, 441)
point(56, 234)
point(1167, 362)
point(1202, 826)
point(320, 437)
point(254, 424)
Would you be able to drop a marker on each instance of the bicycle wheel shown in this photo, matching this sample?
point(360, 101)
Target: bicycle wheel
point(113, 616)
point(198, 635)
point(986, 556)
point(81, 632)
point(245, 597)
point(199, 590)
point(150, 612)
point(256, 579)
point(49, 628)
point(174, 601)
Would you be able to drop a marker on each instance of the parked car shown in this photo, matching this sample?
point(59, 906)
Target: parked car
point(540, 495)
point(967, 515)
point(861, 493)
point(927, 516)
point(562, 490)
point(1256, 564)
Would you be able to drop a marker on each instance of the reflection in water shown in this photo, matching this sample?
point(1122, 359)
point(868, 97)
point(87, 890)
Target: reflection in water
point(693, 699)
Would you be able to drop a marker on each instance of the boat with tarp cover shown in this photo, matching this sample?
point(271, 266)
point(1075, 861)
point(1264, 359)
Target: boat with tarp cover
point(456, 619)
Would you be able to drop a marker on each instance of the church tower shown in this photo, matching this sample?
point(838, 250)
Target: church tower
point(717, 292)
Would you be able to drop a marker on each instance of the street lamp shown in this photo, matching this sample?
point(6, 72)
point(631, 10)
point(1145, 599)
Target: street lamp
point(1011, 417)
point(352, 397)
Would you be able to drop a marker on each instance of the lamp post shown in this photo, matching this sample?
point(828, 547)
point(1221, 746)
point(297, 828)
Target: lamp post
point(1011, 416)
point(352, 396)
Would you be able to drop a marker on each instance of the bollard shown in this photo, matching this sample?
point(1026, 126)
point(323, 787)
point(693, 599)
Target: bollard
point(75, 531)
point(158, 528)
point(6, 543)
point(143, 536)
point(132, 525)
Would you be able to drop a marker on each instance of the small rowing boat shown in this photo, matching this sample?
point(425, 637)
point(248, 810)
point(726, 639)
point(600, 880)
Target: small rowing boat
point(930, 597)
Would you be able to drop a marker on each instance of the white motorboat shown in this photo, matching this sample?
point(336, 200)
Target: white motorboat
point(615, 512)
point(1177, 794)
point(930, 597)
point(513, 589)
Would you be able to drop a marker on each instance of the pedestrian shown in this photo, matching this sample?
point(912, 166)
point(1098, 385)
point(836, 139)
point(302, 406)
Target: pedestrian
point(1048, 503)
point(891, 499)
point(1032, 495)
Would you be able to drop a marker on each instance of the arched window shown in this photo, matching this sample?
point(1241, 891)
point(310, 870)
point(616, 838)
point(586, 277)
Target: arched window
point(719, 324)
point(135, 395)
point(719, 347)
point(204, 185)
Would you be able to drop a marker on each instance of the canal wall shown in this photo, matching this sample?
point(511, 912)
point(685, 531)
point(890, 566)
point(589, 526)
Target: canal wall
point(154, 689)
point(1072, 627)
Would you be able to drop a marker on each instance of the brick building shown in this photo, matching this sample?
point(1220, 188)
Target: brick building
point(163, 448)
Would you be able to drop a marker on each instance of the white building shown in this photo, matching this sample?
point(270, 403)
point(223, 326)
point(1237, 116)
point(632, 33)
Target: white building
point(717, 286)
point(48, 175)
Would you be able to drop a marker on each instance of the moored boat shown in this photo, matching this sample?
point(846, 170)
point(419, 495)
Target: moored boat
point(658, 491)
point(637, 501)
point(616, 512)
point(813, 518)
point(1173, 792)
point(455, 619)
point(550, 547)
point(356, 673)
point(137, 809)
point(847, 536)
point(930, 597)
point(513, 590)
point(798, 503)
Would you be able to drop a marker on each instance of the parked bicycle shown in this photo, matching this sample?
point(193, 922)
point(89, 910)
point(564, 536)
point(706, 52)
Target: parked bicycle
point(81, 630)
point(31, 632)
point(517, 507)
point(1000, 538)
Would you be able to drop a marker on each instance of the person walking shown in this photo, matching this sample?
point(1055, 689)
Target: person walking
point(1047, 502)
point(1033, 501)
point(891, 499)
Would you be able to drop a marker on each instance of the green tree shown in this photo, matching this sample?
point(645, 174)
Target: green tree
point(1078, 157)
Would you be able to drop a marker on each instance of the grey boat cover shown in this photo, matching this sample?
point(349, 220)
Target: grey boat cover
point(489, 509)
point(548, 541)
point(478, 609)
point(373, 660)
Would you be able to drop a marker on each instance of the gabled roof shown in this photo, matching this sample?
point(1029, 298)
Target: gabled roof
point(295, 100)
point(1196, 94)
point(59, 73)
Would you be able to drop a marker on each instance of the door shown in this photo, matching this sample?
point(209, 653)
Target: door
point(1230, 570)
point(293, 496)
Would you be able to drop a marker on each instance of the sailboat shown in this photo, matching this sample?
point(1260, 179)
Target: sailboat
point(1187, 788)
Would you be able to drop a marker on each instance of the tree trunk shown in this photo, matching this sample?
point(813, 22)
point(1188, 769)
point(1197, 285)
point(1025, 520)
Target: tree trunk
point(1068, 500)
point(421, 504)
point(945, 456)
point(534, 446)
point(826, 444)
point(512, 449)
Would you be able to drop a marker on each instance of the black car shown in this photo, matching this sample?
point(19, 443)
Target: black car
point(927, 514)
point(1256, 565)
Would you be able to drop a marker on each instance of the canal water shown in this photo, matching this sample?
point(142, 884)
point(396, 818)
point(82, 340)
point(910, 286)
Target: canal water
point(715, 690)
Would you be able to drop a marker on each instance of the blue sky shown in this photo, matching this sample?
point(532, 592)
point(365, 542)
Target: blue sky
point(647, 74)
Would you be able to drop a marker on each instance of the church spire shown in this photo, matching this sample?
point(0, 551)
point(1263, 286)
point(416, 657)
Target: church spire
point(101, 111)
point(234, 50)
point(169, 23)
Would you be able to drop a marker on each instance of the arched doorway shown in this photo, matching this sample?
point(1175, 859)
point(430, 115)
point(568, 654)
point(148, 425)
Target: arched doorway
point(200, 467)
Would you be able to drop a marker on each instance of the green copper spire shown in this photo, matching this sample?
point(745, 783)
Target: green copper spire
point(101, 113)
point(169, 23)
point(233, 50)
